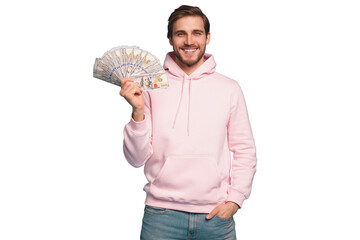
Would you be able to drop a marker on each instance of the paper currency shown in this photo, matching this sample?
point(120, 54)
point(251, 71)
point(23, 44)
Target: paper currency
point(131, 62)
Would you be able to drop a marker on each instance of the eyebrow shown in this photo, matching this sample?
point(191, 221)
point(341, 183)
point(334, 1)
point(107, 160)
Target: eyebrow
point(183, 31)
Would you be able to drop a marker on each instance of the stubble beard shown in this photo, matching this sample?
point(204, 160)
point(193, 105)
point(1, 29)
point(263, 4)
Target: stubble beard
point(190, 63)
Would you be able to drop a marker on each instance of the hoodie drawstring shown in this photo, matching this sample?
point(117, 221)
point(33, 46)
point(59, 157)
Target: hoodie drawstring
point(188, 120)
point(177, 74)
point(177, 111)
point(178, 108)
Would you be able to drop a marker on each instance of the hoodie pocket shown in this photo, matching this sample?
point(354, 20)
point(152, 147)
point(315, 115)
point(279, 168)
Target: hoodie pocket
point(193, 179)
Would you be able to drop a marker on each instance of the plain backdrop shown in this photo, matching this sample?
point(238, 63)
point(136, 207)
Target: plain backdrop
point(63, 174)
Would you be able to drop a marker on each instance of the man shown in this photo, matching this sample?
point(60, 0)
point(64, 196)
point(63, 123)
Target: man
point(183, 135)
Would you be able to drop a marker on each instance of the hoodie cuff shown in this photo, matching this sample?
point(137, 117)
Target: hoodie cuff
point(236, 197)
point(138, 126)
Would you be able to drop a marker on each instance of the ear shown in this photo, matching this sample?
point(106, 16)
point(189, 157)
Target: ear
point(170, 41)
point(208, 38)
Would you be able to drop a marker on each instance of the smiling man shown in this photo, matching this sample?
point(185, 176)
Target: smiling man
point(184, 136)
point(189, 40)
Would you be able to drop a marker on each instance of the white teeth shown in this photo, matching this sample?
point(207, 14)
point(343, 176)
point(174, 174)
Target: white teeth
point(190, 50)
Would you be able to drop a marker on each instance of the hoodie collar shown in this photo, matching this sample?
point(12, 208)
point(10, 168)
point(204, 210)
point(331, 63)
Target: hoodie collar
point(207, 68)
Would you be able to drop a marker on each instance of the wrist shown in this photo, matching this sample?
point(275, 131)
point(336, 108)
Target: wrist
point(138, 114)
point(234, 204)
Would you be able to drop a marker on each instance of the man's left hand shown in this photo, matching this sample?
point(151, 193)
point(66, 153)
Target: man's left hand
point(224, 210)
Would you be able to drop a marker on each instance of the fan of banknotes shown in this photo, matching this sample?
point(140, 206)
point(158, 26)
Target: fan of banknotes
point(131, 62)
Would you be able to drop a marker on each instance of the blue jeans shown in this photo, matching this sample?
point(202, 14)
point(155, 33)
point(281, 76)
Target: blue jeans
point(167, 224)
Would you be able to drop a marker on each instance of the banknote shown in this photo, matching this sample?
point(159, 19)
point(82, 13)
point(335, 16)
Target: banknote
point(131, 62)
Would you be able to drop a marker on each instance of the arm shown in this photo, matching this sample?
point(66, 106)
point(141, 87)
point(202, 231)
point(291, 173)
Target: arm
point(137, 144)
point(241, 143)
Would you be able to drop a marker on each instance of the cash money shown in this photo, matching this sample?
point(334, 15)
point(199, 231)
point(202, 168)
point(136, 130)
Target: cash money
point(131, 62)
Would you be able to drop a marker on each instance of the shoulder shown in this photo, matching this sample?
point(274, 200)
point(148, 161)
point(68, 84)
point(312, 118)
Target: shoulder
point(230, 84)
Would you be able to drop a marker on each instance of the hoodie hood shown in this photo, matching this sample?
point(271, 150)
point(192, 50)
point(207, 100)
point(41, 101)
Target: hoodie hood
point(175, 72)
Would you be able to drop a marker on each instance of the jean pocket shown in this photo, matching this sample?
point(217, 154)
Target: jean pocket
point(155, 210)
point(223, 219)
point(193, 179)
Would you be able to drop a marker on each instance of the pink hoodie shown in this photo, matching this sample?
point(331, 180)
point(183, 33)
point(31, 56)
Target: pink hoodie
point(186, 138)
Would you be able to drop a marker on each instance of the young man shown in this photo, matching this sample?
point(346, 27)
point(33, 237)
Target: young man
point(183, 135)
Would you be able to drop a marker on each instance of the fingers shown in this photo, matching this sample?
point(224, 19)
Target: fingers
point(135, 91)
point(212, 213)
point(129, 88)
point(125, 85)
point(124, 80)
point(223, 210)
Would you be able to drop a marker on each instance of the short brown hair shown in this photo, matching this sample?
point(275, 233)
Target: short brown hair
point(184, 11)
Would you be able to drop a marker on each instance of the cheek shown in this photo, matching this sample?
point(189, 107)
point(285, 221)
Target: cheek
point(201, 41)
point(176, 43)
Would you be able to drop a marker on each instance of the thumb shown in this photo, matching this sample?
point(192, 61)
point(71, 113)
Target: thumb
point(211, 215)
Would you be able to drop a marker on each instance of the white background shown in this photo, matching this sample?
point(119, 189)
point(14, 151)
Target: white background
point(63, 174)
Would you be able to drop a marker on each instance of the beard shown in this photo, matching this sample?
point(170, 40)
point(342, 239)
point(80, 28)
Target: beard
point(190, 63)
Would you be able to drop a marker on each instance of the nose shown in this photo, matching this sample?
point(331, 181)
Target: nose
point(189, 40)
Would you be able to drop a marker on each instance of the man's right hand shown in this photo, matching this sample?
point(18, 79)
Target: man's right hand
point(132, 93)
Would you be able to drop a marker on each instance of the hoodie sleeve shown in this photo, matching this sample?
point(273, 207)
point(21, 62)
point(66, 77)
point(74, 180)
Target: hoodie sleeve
point(137, 145)
point(241, 143)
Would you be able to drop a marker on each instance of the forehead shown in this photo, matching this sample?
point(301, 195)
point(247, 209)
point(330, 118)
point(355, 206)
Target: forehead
point(189, 23)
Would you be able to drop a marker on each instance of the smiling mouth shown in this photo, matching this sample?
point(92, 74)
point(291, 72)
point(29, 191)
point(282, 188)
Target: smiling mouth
point(189, 50)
